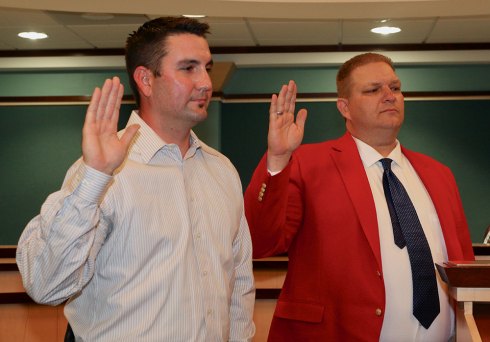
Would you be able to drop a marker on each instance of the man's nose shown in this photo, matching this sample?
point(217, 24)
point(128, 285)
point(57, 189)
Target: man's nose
point(388, 94)
point(204, 81)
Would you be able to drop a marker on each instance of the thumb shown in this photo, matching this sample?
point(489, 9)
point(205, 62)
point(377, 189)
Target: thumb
point(129, 134)
point(301, 118)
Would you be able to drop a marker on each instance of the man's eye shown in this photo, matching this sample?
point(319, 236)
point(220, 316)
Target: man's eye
point(188, 68)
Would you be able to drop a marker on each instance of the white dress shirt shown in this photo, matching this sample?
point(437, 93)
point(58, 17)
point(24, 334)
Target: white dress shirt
point(161, 251)
point(399, 323)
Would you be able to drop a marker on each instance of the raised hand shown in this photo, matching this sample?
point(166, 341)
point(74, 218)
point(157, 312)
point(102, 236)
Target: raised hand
point(102, 149)
point(285, 134)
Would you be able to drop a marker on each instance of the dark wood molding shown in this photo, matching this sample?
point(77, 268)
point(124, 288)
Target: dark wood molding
point(7, 251)
point(281, 263)
point(481, 249)
point(15, 298)
point(267, 293)
point(270, 264)
point(53, 99)
point(60, 100)
point(261, 49)
point(8, 266)
point(348, 48)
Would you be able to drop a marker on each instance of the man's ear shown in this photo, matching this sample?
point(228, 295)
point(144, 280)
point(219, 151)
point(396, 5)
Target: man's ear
point(143, 78)
point(343, 107)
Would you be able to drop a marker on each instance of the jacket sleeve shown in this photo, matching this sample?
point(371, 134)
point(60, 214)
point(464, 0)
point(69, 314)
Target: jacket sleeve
point(273, 208)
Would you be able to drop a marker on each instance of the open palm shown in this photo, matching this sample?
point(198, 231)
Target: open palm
point(285, 133)
point(102, 149)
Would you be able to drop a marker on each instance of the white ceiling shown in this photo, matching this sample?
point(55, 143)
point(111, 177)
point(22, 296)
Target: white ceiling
point(248, 23)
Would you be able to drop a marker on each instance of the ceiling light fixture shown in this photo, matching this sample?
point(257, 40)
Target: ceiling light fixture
point(33, 35)
point(385, 30)
point(194, 15)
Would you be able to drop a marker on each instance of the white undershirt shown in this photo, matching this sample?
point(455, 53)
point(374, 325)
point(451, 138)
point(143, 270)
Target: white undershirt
point(399, 323)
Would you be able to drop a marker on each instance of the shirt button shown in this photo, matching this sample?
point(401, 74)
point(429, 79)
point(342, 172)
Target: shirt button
point(209, 312)
point(205, 273)
point(379, 312)
point(378, 273)
point(198, 236)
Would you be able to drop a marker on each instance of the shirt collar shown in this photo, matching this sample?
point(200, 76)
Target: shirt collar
point(370, 156)
point(147, 142)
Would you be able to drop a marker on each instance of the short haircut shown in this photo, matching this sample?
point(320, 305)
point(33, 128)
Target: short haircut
point(345, 71)
point(146, 46)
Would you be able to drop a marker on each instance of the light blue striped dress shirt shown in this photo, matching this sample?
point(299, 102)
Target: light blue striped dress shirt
point(160, 251)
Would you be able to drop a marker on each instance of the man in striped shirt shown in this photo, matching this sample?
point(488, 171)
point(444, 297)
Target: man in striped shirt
point(147, 238)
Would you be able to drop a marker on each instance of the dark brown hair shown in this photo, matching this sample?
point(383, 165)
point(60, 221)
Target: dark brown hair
point(146, 46)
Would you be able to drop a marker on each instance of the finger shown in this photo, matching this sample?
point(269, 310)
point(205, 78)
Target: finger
point(291, 97)
point(273, 106)
point(92, 107)
point(292, 104)
point(104, 99)
point(112, 99)
point(117, 106)
point(281, 98)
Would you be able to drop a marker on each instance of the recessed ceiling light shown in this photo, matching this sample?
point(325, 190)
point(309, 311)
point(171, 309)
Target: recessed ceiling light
point(194, 15)
point(385, 30)
point(33, 35)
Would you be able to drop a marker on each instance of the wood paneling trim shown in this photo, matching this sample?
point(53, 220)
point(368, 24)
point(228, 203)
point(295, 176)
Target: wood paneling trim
point(267, 293)
point(276, 263)
point(15, 298)
point(64, 100)
point(7, 251)
point(262, 49)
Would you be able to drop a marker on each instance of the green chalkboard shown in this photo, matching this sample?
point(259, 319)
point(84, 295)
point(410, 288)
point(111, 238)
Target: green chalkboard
point(37, 146)
point(455, 132)
point(39, 143)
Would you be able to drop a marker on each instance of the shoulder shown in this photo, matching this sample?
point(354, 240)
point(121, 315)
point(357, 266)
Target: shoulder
point(423, 159)
point(313, 150)
point(212, 155)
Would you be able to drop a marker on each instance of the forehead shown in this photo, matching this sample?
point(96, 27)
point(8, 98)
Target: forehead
point(187, 47)
point(377, 72)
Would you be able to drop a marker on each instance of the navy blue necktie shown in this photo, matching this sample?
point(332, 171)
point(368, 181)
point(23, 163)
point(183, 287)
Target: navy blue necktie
point(408, 231)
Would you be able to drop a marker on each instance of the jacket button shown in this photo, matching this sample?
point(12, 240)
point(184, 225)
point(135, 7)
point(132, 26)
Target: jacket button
point(379, 312)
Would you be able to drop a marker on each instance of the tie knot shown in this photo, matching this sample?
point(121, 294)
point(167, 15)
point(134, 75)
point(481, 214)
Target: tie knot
point(386, 162)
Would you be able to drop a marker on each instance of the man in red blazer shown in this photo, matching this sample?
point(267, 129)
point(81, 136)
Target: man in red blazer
point(324, 205)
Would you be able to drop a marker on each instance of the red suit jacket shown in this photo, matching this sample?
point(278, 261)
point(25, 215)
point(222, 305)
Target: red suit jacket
point(320, 211)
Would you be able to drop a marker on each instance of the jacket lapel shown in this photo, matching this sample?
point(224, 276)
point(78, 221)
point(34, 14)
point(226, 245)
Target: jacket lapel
point(351, 169)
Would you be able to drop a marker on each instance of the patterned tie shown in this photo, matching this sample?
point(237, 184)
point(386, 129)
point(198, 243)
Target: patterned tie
point(408, 231)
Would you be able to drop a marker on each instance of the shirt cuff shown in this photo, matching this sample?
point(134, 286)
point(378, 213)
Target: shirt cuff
point(273, 173)
point(93, 184)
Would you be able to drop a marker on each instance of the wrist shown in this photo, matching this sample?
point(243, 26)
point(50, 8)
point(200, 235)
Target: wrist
point(276, 163)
